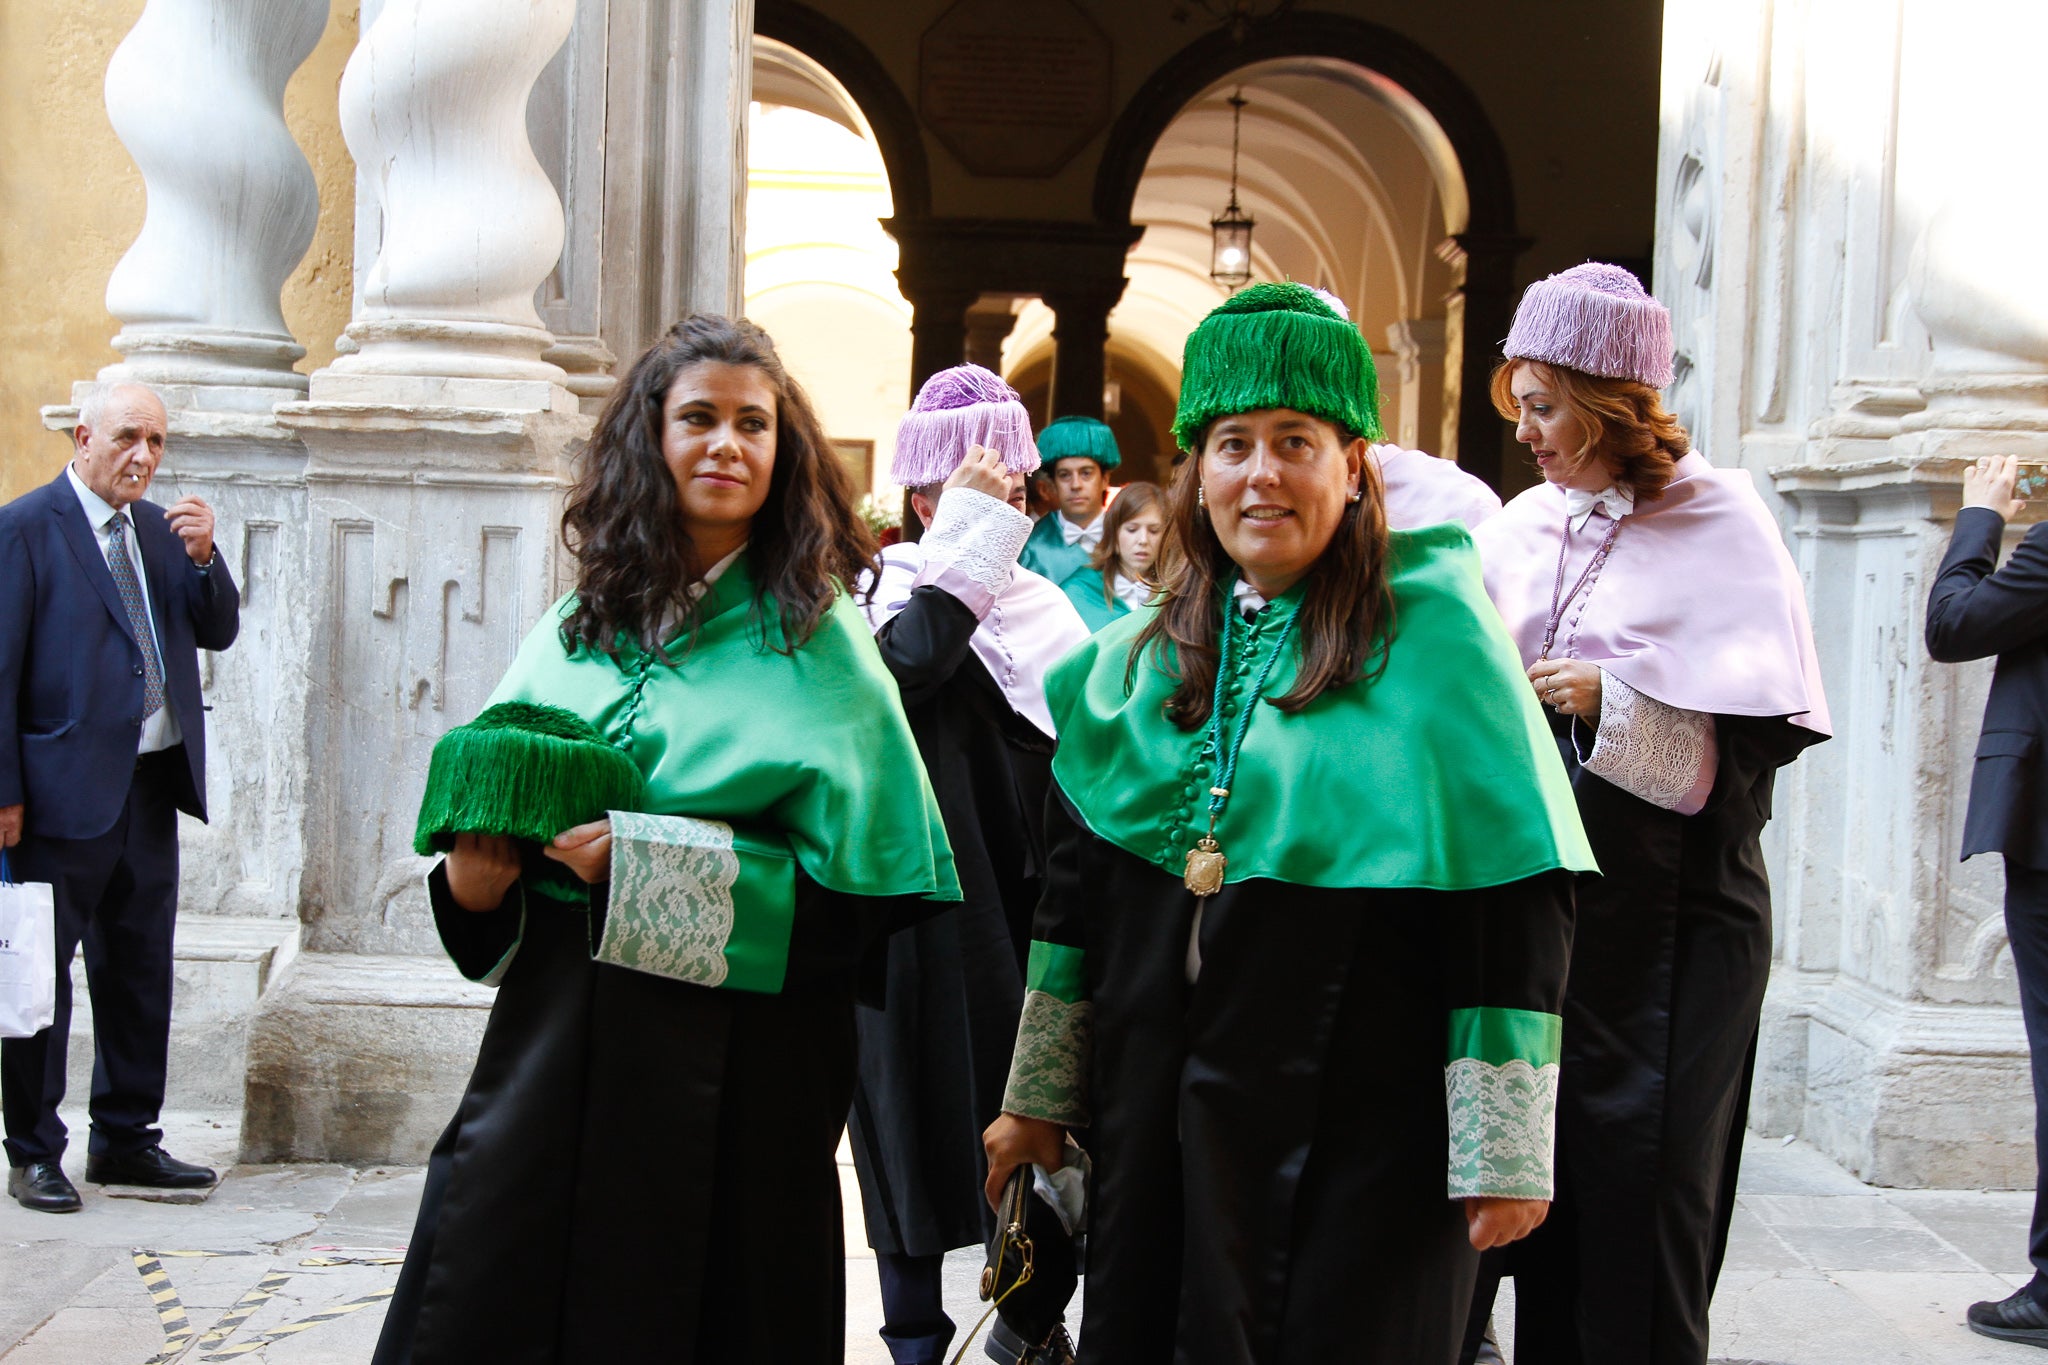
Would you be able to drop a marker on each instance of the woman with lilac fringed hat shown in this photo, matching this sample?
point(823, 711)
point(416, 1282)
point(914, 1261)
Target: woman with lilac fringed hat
point(1664, 629)
point(968, 636)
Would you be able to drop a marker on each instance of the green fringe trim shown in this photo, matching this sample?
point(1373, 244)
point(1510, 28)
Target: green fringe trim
point(526, 771)
point(1078, 437)
point(1277, 346)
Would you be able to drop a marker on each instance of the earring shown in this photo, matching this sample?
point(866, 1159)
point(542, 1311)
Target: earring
point(1201, 496)
point(1355, 495)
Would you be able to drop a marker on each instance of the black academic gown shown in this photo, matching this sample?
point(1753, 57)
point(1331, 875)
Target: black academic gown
point(641, 1169)
point(1668, 969)
point(1270, 1143)
point(933, 1061)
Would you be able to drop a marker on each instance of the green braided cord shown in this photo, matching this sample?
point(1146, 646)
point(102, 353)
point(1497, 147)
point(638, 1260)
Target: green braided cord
point(1227, 761)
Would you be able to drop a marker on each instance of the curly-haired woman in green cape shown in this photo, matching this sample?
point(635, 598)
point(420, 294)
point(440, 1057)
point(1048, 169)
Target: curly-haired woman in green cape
point(643, 1165)
point(1296, 972)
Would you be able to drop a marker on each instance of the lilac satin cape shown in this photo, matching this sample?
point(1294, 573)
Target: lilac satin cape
point(1423, 490)
point(1698, 605)
point(1025, 629)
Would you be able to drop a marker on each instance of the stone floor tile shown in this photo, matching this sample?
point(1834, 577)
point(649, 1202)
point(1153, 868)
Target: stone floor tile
point(1754, 1245)
point(91, 1336)
point(1865, 1210)
point(41, 1277)
point(1795, 1318)
point(1928, 1311)
point(378, 1211)
point(1876, 1248)
point(1770, 1166)
point(1990, 1228)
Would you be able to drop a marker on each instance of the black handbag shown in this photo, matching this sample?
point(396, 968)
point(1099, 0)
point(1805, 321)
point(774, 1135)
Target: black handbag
point(1032, 1270)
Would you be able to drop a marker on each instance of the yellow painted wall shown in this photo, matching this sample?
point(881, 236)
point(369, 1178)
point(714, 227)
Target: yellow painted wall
point(71, 202)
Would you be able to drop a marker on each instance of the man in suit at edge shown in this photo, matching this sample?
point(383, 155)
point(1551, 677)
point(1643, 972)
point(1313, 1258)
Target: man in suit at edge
point(105, 601)
point(1974, 611)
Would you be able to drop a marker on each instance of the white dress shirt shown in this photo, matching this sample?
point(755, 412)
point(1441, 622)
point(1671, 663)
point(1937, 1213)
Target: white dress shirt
point(160, 731)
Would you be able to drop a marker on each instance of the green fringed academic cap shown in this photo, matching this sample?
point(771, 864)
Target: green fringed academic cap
point(1078, 437)
point(525, 770)
point(1276, 346)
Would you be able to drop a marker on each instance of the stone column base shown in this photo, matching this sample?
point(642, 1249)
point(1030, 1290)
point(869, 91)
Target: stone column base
point(360, 1059)
point(1907, 1094)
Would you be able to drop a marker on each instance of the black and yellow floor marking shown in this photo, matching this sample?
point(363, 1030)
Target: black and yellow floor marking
point(266, 1289)
point(292, 1329)
point(170, 1312)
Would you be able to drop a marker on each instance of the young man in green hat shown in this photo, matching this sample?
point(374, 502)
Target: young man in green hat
point(1080, 452)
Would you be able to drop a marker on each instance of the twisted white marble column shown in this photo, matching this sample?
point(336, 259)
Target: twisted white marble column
point(196, 93)
point(433, 106)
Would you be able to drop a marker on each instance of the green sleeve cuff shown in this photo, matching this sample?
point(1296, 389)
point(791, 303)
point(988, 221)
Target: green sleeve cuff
point(1049, 1069)
point(1500, 1087)
point(1056, 969)
point(1498, 1036)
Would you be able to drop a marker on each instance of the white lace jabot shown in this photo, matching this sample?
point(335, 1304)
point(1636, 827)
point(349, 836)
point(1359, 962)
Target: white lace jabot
point(1616, 501)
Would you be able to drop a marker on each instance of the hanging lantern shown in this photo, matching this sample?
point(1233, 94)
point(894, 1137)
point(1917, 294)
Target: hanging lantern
point(1230, 233)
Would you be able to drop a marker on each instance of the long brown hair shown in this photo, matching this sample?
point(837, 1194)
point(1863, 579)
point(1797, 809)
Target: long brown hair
point(1625, 423)
point(635, 560)
point(1346, 613)
point(1133, 500)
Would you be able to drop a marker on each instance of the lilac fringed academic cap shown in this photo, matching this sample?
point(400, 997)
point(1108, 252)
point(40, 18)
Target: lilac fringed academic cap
point(957, 408)
point(1596, 319)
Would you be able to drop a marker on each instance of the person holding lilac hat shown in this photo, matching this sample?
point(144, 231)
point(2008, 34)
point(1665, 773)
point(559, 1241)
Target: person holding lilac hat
point(968, 636)
point(1664, 628)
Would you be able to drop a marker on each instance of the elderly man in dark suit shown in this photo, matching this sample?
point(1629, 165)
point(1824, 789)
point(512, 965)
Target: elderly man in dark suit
point(1977, 610)
point(105, 601)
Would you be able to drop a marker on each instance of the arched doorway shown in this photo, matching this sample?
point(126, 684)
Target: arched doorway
point(1373, 172)
point(820, 272)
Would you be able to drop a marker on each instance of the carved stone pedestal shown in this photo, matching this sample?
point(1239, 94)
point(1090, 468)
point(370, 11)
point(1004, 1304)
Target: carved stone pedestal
point(1889, 1037)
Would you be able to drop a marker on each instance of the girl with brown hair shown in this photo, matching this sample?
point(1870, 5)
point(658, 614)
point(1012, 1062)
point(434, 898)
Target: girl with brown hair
point(643, 1165)
point(1123, 573)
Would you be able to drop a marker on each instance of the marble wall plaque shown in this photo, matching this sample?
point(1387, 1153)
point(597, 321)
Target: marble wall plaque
point(1014, 87)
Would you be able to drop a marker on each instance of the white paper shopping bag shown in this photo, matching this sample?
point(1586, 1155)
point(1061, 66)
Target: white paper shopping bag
point(28, 956)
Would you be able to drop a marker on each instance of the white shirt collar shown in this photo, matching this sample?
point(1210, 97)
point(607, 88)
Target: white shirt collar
point(1088, 536)
point(1249, 600)
point(98, 511)
point(1616, 501)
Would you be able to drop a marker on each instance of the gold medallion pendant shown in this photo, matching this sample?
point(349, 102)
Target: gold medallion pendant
point(1205, 867)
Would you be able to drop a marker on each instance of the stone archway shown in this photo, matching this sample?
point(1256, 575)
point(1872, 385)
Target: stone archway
point(1482, 250)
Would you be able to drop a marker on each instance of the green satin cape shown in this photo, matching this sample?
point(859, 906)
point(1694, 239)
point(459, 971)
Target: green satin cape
point(1441, 773)
point(810, 745)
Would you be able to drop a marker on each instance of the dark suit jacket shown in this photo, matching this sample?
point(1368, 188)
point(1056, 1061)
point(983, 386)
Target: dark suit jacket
point(1973, 613)
point(71, 670)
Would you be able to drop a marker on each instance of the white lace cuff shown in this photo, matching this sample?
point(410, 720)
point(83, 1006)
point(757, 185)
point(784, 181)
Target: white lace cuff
point(1503, 1127)
point(697, 901)
point(971, 547)
point(1663, 754)
point(1049, 1070)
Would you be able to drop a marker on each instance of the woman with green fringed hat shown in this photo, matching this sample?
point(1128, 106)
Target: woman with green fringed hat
point(690, 814)
point(1295, 978)
point(1078, 452)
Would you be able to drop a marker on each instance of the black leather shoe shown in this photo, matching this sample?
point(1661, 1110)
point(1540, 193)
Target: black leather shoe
point(2017, 1318)
point(42, 1186)
point(152, 1167)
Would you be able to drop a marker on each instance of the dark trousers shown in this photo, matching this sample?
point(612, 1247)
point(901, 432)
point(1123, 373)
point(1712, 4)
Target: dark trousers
point(915, 1327)
point(117, 895)
point(2026, 928)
